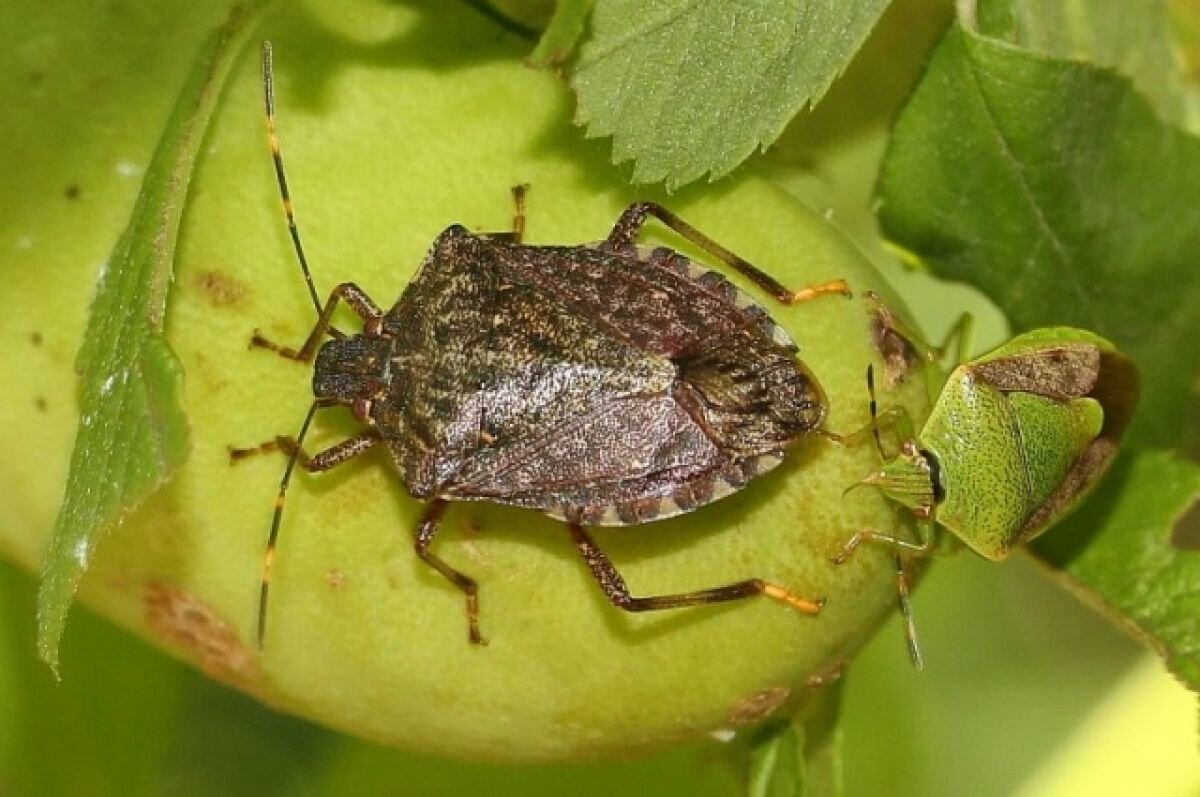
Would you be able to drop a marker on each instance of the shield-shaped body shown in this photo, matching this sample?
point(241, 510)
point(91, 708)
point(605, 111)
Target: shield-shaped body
point(1023, 434)
point(601, 386)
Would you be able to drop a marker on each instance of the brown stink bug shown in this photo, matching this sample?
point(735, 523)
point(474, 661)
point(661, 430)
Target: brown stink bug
point(603, 385)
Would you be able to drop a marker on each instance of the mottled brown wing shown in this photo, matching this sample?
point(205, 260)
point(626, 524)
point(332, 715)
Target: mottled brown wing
point(546, 365)
point(617, 381)
point(656, 300)
point(622, 450)
point(747, 388)
point(482, 362)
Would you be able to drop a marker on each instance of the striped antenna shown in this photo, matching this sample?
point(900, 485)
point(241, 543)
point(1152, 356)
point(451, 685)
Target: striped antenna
point(910, 626)
point(276, 518)
point(874, 405)
point(281, 176)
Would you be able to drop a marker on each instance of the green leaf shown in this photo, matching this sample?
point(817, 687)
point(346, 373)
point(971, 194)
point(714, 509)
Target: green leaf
point(560, 36)
point(1133, 37)
point(1184, 19)
point(777, 761)
point(132, 429)
point(1055, 188)
point(691, 88)
point(1118, 552)
point(183, 569)
point(800, 756)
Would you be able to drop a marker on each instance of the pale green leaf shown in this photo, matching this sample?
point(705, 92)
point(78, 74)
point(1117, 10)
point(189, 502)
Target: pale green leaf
point(690, 88)
point(132, 430)
point(561, 35)
point(1134, 37)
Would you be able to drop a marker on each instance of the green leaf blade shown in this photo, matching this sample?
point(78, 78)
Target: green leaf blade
point(800, 756)
point(689, 89)
point(1118, 553)
point(1133, 37)
point(777, 761)
point(562, 33)
point(1058, 190)
point(133, 431)
point(1055, 188)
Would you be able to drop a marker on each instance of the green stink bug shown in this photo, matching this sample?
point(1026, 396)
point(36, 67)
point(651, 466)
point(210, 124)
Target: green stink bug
point(1015, 442)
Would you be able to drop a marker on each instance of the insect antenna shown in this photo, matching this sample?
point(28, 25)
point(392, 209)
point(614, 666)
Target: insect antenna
point(875, 433)
point(874, 408)
point(910, 626)
point(276, 518)
point(268, 76)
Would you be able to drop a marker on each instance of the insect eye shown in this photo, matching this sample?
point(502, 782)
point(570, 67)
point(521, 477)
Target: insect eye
point(362, 409)
point(935, 476)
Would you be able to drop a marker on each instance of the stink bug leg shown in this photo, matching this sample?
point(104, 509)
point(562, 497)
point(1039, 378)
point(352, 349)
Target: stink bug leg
point(613, 584)
point(924, 527)
point(634, 218)
point(960, 334)
point(517, 234)
point(321, 461)
point(909, 548)
point(355, 298)
point(910, 625)
point(425, 533)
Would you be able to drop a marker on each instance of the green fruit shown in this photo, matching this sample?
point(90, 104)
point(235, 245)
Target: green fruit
point(387, 144)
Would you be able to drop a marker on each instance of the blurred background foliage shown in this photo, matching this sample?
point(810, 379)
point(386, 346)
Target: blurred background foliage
point(1016, 669)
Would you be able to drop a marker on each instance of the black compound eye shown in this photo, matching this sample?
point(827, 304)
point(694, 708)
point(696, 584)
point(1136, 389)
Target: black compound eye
point(935, 476)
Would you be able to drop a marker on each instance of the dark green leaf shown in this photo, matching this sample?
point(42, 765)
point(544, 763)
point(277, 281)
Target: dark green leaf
point(132, 430)
point(560, 36)
point(691, 88)
point(1118, 552)
point(1055, 188)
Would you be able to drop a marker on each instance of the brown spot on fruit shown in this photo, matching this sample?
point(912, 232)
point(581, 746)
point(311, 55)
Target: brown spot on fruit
point(71, 192)
point(827, 676)
point(188, 623)
point(758, 706)
point(221, 289)
point(335, 578)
